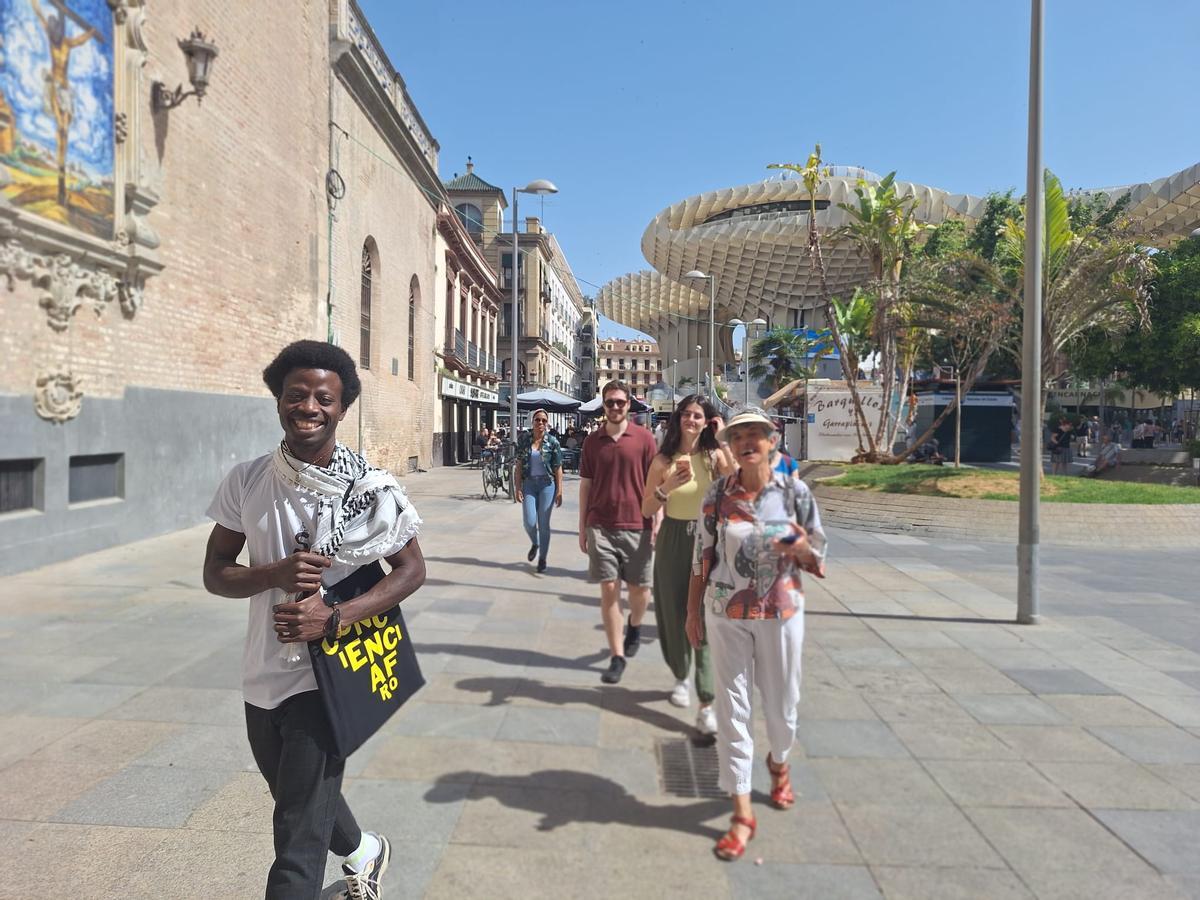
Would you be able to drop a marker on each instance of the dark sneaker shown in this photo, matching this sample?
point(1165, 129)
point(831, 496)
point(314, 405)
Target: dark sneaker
point(633, 635)
point(616, 668)
point(532, 552)
point(365, 885)
point(541, 565)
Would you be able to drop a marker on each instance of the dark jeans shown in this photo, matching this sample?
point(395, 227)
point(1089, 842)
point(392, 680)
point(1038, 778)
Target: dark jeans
point(293, 749)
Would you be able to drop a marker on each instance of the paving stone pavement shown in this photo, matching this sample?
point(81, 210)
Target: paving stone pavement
point(943, 751)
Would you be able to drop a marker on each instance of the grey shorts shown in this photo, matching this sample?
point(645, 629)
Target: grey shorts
point(619, 554)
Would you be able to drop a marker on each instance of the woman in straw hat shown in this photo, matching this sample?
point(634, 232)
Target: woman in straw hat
point(757, 529)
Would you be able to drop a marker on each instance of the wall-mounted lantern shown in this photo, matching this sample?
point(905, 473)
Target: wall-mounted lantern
point(200, 54)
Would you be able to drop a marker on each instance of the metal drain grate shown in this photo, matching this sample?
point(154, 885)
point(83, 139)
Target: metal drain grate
point(688, 770)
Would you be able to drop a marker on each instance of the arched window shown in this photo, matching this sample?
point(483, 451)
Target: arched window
point(414, 297)
point(471, 217)
point(366, 295)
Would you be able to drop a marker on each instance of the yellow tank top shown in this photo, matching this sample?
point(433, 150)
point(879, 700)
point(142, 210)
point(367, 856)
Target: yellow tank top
point(684, 502)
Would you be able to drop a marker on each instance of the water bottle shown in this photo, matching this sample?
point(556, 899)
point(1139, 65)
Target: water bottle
point(295, 655)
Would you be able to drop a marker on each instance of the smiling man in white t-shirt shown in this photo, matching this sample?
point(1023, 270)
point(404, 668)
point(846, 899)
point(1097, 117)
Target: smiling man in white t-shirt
point(276, 507)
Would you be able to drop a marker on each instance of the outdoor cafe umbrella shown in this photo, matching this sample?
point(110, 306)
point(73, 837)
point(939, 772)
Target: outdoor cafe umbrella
point(547, 399)
point(596, 404)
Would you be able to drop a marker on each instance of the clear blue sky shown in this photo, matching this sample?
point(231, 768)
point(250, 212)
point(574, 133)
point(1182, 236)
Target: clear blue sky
point(631, 106)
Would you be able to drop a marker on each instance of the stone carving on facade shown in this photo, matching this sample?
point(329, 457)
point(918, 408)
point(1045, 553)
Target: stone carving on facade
point(64, 283)
point(58, 397)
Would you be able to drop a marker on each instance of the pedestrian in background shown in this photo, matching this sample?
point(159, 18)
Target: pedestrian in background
point(757, 529)
point(538, 484)
point(614, 534)
point(687, 463)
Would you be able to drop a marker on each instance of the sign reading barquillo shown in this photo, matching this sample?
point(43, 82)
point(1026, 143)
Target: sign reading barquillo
point(830, 420)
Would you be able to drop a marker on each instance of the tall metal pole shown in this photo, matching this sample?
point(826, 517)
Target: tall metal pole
point(516, 318)
point(746, 363)
point(699, 359)
point(712, 334)
point(1031, 364)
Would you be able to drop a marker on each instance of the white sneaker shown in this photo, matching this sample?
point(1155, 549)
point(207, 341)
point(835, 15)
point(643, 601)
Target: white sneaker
point(706, 720)
point(682, 695)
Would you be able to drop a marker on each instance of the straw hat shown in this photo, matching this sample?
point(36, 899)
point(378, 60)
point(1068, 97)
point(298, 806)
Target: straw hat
point(749, 416)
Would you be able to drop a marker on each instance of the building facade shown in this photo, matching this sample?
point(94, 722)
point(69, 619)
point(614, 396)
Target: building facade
point(468, 321)
point(550, 303)
point(156, 270)
point(637, 363)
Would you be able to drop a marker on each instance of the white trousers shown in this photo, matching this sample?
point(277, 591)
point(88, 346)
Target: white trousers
point(745, 653)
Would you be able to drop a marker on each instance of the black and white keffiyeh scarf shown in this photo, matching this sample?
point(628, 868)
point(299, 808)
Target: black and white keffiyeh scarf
point(362, 512)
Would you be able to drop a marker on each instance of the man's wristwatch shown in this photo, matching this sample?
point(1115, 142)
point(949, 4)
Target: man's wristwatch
point(333, 623)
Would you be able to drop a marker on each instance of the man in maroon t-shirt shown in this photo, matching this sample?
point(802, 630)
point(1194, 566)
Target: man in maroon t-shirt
point(614, 534)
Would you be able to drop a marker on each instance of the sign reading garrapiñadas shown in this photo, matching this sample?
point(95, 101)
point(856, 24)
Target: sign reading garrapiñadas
point(374, 644)
point(830, 420)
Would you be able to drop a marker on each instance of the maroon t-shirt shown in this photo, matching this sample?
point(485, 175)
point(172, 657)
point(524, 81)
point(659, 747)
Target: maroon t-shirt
point(617, 470)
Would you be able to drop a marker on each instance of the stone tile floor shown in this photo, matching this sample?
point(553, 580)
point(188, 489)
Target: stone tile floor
point(943, 751)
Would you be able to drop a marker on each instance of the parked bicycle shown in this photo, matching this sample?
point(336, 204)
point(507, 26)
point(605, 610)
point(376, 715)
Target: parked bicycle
point(498, 471)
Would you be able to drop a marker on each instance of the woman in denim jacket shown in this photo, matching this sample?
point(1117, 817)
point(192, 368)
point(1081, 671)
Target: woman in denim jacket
point(539, 484)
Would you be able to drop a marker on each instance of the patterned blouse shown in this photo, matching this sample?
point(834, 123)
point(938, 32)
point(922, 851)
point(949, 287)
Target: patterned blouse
point(748, 578)
point(552, 454)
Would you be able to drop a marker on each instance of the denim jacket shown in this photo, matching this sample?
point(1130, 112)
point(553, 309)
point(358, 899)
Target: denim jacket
point(552, 454)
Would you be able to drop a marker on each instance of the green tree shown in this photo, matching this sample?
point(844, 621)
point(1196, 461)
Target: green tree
point(989, 227)
point(1094, 280)
point(812, 173)
point(883, 226)
point(854, 318)
point(1165, 357)
point(783, 355)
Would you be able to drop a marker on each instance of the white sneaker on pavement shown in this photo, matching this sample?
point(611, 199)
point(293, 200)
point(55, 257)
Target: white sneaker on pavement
point(706, 720)
point(682, 695)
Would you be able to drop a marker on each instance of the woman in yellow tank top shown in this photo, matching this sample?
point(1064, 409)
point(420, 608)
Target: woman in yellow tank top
point(687, 463)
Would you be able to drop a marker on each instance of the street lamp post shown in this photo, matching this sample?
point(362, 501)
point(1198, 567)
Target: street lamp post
point(699, 350)
point(712, 321)
point(540, 186)
point(1031, 375)
point(757, 323)
point(674, 378)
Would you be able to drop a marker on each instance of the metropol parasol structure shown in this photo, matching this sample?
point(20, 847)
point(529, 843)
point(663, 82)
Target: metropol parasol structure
point(752, 244)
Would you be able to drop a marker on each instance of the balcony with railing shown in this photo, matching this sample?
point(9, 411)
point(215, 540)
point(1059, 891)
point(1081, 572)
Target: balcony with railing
point(465, 355)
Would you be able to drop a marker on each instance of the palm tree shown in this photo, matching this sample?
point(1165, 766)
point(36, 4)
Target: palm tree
point(1093, 280)
point(812, 173)
point(883, 227)
point(783, 355)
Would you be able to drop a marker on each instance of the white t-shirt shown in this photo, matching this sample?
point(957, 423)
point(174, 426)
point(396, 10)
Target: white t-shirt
point(254, 501)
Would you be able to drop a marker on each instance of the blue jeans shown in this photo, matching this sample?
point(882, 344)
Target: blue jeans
point(539, 501)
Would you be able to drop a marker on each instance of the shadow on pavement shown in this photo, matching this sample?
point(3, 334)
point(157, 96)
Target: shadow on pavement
point(966, 620)
point(547, 793)
point(623, 701)
point(512, 657)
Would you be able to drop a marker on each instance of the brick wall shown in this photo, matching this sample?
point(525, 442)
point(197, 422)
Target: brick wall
point(384, 203)
point(241, 186)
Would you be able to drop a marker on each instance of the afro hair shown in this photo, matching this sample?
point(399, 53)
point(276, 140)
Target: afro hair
point(314, 355)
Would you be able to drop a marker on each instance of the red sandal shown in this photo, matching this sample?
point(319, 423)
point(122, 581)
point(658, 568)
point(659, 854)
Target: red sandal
point(729, 847)
point(782, 796)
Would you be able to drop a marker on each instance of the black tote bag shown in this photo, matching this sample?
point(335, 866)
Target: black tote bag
point(368, 671)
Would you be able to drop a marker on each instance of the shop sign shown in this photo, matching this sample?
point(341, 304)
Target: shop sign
point(830, 420)
point(945, 399)
point(460, 390)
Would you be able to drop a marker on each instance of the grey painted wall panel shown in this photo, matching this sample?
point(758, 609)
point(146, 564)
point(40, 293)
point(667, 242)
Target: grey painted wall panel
point(177, 445)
